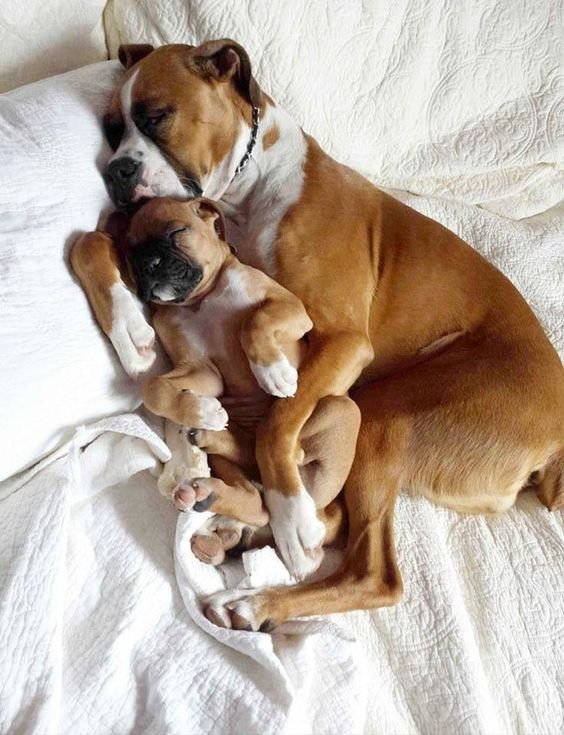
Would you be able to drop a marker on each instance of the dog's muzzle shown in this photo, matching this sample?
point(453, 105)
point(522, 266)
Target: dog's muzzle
point(162, 273)
point(125, 178)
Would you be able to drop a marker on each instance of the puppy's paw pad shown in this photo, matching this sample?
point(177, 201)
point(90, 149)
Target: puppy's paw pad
point(208, 548)
point(218, 535)
point(184, 497)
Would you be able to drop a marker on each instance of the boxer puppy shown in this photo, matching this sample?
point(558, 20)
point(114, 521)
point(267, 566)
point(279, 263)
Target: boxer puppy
point(461, 392)
point(232, 333)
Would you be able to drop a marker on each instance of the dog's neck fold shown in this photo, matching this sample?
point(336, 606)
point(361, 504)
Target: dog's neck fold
point(276, 154)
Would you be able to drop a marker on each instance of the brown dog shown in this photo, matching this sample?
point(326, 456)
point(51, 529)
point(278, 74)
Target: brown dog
point(233, 333)
point(460, 391)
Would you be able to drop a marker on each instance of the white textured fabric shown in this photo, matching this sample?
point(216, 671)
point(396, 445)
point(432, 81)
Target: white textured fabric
point(476, 646)
point(56, 368)
point(459, 100)
point(96, 638)
point(38, 38)
point(93, 632)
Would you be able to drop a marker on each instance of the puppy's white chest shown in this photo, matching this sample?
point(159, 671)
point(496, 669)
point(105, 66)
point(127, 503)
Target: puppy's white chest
point(213, 328)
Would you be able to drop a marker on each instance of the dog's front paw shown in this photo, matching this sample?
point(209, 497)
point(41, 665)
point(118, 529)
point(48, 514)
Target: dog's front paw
point(279, 378)
point(133, 339)
point(297, 531)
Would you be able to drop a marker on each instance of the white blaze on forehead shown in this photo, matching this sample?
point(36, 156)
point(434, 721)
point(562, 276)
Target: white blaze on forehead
point(158, 178)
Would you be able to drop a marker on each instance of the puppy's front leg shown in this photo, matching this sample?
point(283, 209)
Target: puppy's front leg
point(95, 261)
point(269, 335)
point(187, 396)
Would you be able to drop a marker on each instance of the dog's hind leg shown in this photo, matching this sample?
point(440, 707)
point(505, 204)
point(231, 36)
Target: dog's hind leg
point(369, 575)
point(441, 429)
point(551, 484)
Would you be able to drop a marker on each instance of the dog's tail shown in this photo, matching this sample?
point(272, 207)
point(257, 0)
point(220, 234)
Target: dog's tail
point(550, 483)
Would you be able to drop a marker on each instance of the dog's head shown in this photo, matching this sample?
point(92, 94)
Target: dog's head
point(176, 249)
point(179, 114)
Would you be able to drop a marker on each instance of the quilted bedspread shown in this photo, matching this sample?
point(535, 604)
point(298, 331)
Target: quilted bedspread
point(458, 109)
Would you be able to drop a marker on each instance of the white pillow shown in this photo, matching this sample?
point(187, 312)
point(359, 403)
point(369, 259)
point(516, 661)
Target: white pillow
point(39, 38)
point(454, 102)
point(57, 370)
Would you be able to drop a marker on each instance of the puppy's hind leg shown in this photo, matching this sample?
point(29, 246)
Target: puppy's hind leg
point(236, 499)
point(186, 461)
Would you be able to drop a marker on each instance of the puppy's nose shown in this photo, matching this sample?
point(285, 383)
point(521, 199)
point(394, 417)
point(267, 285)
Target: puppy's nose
point(123, 170)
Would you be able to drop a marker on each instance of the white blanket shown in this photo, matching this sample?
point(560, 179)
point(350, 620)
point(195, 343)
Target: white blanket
point(93, 632)
point(97, 636)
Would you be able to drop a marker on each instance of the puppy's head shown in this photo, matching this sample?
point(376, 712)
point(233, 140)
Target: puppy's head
point(176, 249)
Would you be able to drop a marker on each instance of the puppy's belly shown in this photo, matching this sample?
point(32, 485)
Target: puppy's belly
point(248, 410)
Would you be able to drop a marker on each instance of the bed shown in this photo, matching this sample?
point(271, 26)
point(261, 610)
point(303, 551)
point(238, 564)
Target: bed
point(457, 110)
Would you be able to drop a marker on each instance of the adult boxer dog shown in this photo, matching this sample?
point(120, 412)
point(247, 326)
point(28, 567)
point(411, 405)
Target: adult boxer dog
point(460, 391)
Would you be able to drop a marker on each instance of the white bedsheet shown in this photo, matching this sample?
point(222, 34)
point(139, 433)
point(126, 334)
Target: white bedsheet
point(97, 637)
point(93, 632)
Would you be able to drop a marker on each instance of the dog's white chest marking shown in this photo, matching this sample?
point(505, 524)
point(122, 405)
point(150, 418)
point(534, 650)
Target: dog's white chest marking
point(213, 328)
point(257, 199)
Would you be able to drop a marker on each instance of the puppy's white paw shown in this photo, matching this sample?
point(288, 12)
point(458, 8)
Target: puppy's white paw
point(212, 415)
point(131, 336)
point(279, 379)
point(297, 530)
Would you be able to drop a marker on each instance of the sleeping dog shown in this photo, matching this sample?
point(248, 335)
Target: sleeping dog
point(231, 332)
point(460, 391)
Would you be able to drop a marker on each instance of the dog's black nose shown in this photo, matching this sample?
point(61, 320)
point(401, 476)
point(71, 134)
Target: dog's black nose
point(123, 171)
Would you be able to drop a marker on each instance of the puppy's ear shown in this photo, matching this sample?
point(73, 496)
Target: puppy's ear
point(131, 53)
point(224, 60)
point(117, 225)
point(210, 212)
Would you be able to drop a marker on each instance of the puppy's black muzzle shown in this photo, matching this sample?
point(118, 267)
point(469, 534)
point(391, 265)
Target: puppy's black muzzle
point(158, 267)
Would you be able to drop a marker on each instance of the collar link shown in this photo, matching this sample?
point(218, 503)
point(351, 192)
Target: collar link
point(250, 145)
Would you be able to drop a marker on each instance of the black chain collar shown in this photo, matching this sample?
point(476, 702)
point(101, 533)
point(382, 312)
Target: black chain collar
point(250, 145)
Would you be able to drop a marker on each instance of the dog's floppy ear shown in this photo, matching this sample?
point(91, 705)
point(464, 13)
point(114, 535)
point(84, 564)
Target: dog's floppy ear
point(226, 59)
point(131, 53)
point(206, 209)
